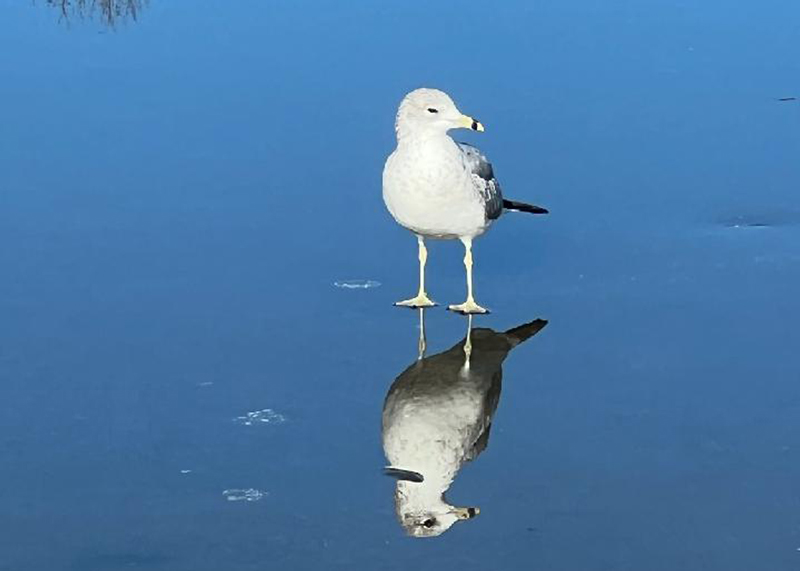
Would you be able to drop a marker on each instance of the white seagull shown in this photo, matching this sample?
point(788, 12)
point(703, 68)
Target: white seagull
point(439, 188)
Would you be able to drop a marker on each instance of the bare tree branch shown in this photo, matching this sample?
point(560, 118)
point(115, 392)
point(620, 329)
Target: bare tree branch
point(110, 12)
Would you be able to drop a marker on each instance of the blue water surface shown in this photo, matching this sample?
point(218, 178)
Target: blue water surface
point(180, 191)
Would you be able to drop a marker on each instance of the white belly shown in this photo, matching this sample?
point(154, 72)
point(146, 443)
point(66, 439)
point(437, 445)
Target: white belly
point(431, 437)
point(435, 198)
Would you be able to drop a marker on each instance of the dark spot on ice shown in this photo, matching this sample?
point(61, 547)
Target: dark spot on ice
point(749, 225)
point(761, 220)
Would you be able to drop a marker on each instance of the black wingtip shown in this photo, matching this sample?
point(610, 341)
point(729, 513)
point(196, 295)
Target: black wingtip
point(524, 207)
point(525, 331)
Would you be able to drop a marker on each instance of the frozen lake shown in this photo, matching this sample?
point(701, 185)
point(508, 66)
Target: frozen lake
point(184, 387)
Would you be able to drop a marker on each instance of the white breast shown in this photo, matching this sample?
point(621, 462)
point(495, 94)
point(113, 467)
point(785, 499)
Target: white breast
point(428, 189)
point(432, 436)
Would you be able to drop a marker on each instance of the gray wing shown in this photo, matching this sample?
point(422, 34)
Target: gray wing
point(485, 183)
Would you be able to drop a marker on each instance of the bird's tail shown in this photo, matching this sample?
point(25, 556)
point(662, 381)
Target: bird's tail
point(524, 332)
point(523, 207)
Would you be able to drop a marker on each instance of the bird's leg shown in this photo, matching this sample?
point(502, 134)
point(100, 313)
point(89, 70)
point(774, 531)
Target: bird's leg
point(422, 299)
point(468, 306)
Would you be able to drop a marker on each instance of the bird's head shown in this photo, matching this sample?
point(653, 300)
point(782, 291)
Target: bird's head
point(427, 111)
point(421, 506)
point(433, 522)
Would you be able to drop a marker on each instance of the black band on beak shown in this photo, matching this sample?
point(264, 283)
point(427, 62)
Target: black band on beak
point(474, 126)
point(471, 512)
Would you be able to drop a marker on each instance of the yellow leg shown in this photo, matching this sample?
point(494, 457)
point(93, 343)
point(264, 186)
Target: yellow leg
point(422, 299)
point(468, 306)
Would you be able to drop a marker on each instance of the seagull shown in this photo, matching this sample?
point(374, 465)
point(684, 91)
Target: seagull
point(437, 416)
point(439, 188)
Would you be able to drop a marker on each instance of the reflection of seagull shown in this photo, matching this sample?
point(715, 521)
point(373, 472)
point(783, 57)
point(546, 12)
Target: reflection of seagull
point(437, 416)
point(438, 188)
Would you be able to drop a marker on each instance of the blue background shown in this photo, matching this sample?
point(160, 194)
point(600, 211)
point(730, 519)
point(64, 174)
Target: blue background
point(179, 193)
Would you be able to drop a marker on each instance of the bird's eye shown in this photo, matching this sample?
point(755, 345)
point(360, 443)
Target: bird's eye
point(432, 110)
point(429, 523)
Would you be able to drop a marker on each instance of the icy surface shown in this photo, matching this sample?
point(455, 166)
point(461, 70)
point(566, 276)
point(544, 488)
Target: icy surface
point(357, 284)
point(244, 495)
point(263, 416)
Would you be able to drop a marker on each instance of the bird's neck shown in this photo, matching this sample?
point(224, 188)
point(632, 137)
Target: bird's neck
point(422, 496)
point(421, 138)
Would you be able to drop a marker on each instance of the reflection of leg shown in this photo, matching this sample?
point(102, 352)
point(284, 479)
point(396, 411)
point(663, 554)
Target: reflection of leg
point(468, 343)
point(468, 306)
point(422, 342)
point(422, 299)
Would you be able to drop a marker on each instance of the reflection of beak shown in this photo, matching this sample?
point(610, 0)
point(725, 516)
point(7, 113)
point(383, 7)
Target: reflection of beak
point(468, 122)
point(466, 513)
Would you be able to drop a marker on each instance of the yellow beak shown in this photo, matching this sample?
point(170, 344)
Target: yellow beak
point(466, 513)
point(468, 122)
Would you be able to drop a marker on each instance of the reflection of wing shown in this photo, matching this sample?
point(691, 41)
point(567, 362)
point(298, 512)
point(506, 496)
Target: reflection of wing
point(487, 342)
point(491, 399)
point(480, 444)
point(483, 178)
